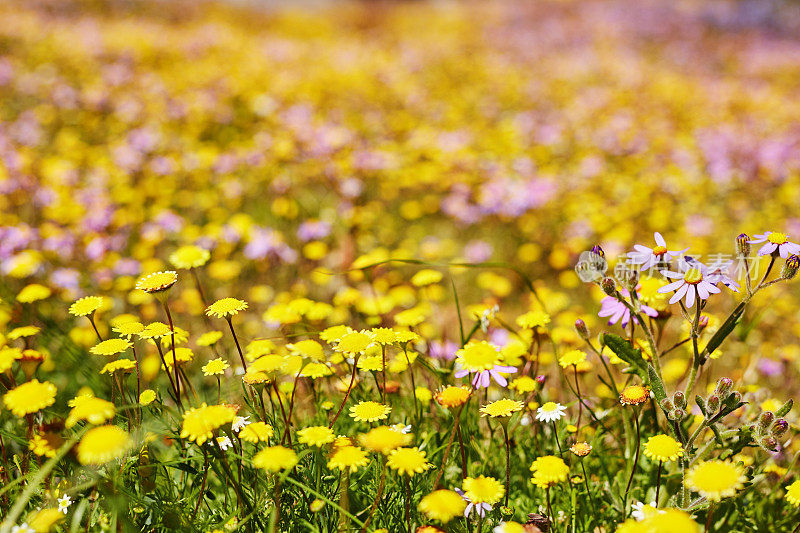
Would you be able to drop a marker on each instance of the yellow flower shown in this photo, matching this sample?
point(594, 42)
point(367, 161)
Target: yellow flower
point(581, 449)
point(315, 436)
point(572, 357)
point(307, 348)
point(426, 277)
point(423, 394)
point(103, 444)
point(189, 256)
point(523, 384)
point(33, 293)
point(370, 363)
point(41, 446)
point(275, 458)
point(24, 331)
point(442, 505)
point(451, 396)
point(147, 396)
point(256, 432)
point(93, 410)
point(157, 281)
point(316, 370)
point(369, 411)
point(226, 307)
point(347, 457)
point(7, 357)
point(199, 423)
point(716, 479)
point(408, 461)
point(384, 336)
point(501, 408)
point(793, 493)
point(663, 448)
point(128, 329)
point(30, 397)
point(334, 333)
point(549, 470)
point(155, 330)
point(383, 439)
point(353, 343)
point(665, 521)
point(110, 347)
point(215, 367)
point(86, 305)
point(533, 319)
point(634, 395)
point(43, 520)
point(483, 489)
point(209, 338)
point(477, 356)
point(121, 365)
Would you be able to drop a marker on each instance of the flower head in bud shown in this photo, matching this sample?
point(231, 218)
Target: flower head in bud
point(743, 244)
point(609, 286)
point(667, 405)
point(766, 419)
point(677, 414)
point(779, 428)
point(679, 399)
point(724, 386)
point(580, 327)
point(734, 398)
point(790, 267)
point(597, 250)
point(703, 323)
point(540, 379)
point(712, 405)
point(769, 443)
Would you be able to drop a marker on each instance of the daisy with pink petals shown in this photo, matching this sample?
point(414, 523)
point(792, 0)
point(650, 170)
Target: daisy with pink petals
point(483, 359)
point(774, 241)
point(692, 282)
point(611, 307)
point(649, 257)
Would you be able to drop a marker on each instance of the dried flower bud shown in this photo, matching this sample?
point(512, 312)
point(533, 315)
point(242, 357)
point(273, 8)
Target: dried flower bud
point(779, 428)
point(609, 286)
point(769, 443)
point(766, 419)
point(540, 521)
point(712, 405)
point(580, 327)
point(679, 399)
point(724, 386)
point(703, 323)
point(790, 267)
point(742, 245)
point(667, 405)
point(597, 250)
point(540, 379)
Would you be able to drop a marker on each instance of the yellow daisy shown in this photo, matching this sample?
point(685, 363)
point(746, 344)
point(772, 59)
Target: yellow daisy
point(226, 307)
point(199, 423)
point(120, 365)
point(86, 305)
point(110, 347)
point(369, 411)
point(315, 436)
point(275, 458)
point(256, 432)
point(501, 408)
point(30, 397)
point(103, 444)
point(215, 367)
point(189, 256)
point(408, 461)
point(663, 448)
point(442, 505)
point(348, 457)
point(483, 489)
point(716, 479)
point(157, 281)
point(549, 470)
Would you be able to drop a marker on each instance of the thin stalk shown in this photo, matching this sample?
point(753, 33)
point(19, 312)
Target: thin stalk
point(508, 460)
point(346, 394)
point(580, 401)
point(408, 503)
point(635, 463)
point(174, 357)
point(236, 340)
point(658, 481)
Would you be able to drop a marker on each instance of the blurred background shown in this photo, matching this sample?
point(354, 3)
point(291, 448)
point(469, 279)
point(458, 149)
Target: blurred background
point(297, 141)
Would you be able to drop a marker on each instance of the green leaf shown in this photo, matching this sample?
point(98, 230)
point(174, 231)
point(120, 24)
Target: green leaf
point(624, 350)
point(655, 384)
point(785, 408)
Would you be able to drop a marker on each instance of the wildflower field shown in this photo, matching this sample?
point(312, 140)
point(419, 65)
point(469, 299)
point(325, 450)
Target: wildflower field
point(428, 266)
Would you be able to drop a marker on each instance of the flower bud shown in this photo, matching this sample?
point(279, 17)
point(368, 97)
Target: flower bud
point(506, 512)
point(769, 443)
point(712, 404)
point(742, 245)
point(632, 280)
point(734, 398)
point(724, 386)
point(580, 327)
point(677, 414)
point(765, 419)
point(779, 428)
point(540, 379)
point(703, 323)
point(667, 405)
point(790, 267)
point(597, 250)
point(679, 399)
point(609, 286)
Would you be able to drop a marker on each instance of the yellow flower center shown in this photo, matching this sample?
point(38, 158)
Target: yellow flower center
point(549, 406)
point(659, 250)
point(693, 276)
point(777, 238)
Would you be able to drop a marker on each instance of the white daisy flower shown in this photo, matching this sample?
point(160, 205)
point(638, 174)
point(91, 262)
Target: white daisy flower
point(64, 502)
point(224, 443)
point(649, 257)
point(775, 241)
point(550, 412)
point(692, 282)
point(239, 423)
